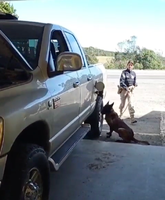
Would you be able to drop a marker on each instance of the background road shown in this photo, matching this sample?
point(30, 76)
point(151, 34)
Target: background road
point(146, 77)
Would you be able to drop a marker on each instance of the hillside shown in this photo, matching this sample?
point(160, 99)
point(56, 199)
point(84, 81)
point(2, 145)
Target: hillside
point(143, 58)
point(98, 52)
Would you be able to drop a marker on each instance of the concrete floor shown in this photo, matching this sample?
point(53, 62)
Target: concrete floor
point(98, 170)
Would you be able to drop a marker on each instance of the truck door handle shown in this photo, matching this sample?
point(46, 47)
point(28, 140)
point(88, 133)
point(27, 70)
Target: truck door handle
point(50, 103)
point(76, 84)
point(89, 78)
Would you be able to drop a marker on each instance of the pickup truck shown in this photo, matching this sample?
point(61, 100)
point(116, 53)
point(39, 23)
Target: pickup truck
point(50, 99)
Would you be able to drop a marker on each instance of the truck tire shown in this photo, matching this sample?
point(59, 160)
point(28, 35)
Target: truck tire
point(26, 174)
point(96, 120)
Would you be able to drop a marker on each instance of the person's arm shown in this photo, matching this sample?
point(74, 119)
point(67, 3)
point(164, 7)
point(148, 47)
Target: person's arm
point(122, 81)
point(135, 83)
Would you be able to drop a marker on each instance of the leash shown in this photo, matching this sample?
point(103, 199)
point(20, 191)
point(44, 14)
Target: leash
point(127, 103)
point(126, 106)
point(125, 109)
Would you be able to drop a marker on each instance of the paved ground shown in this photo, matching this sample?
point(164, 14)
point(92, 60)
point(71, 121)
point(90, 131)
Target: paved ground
point(114, 171)
point(149, 102)
point(111, 171)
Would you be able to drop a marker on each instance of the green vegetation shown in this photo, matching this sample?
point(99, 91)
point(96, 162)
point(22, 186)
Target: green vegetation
point(92, 54)
point(7, 8)
point(143, 58)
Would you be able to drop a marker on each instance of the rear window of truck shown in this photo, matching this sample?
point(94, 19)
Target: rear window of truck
point(26, 38)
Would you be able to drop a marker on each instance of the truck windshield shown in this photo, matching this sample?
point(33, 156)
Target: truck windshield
point(26, 38)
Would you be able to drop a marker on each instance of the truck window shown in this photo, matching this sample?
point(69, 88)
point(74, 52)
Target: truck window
point(74, 45)
point(57, 46)
point(58, 41)
point(26, 38)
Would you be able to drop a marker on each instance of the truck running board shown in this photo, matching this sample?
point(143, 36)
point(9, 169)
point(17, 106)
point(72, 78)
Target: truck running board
point(63, 152)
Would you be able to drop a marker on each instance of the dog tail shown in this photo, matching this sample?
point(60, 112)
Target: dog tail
point(140, 141)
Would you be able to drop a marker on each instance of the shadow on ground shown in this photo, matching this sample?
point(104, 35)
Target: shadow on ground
point(103, 171)
point(147, 128)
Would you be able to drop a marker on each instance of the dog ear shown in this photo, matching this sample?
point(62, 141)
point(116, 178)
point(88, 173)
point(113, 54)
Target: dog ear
point(112, 104)
point(108, 103)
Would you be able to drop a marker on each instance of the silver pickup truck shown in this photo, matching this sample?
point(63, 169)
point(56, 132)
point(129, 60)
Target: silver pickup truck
point(50, 99)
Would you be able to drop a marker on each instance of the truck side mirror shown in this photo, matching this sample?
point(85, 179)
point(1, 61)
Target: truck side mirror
point(68, 61)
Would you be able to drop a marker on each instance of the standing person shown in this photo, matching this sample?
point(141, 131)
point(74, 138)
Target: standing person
point(127, 85)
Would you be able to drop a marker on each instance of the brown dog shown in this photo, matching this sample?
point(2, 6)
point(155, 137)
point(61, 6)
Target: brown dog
point(119, 126)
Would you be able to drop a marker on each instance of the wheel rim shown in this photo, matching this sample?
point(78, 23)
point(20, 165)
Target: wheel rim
point(33, 188)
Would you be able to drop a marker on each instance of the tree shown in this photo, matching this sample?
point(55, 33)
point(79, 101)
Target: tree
point(150, 60)
point(143, 58)
point(91, 59)
point(128, 46)
point(8, 8)
point(120, 46)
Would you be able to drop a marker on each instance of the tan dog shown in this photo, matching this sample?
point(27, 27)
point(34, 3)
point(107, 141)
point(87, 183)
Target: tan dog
point(119, 126)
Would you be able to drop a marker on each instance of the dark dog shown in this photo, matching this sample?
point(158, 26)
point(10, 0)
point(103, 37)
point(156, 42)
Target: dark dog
point(119, 126)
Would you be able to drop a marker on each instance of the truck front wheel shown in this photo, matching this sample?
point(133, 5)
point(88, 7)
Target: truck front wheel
point(26, 174)
point(95, 120)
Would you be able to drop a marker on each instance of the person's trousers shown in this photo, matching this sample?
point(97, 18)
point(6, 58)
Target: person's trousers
point(127, 96)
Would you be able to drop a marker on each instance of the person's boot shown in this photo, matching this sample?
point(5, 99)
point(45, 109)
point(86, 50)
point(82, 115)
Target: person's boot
point(133, 120)
point(120, 114)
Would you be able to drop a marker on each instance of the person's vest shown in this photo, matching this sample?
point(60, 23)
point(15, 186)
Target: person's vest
point(129, 77)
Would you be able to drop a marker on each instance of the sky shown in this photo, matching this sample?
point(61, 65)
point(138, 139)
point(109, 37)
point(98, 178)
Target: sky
point(102, 23)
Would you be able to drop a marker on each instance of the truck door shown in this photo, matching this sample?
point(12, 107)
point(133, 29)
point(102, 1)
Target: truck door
point(65, 93)
point(85, 78)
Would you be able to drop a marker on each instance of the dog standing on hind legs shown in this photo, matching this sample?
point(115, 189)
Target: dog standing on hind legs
point(119, 126)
